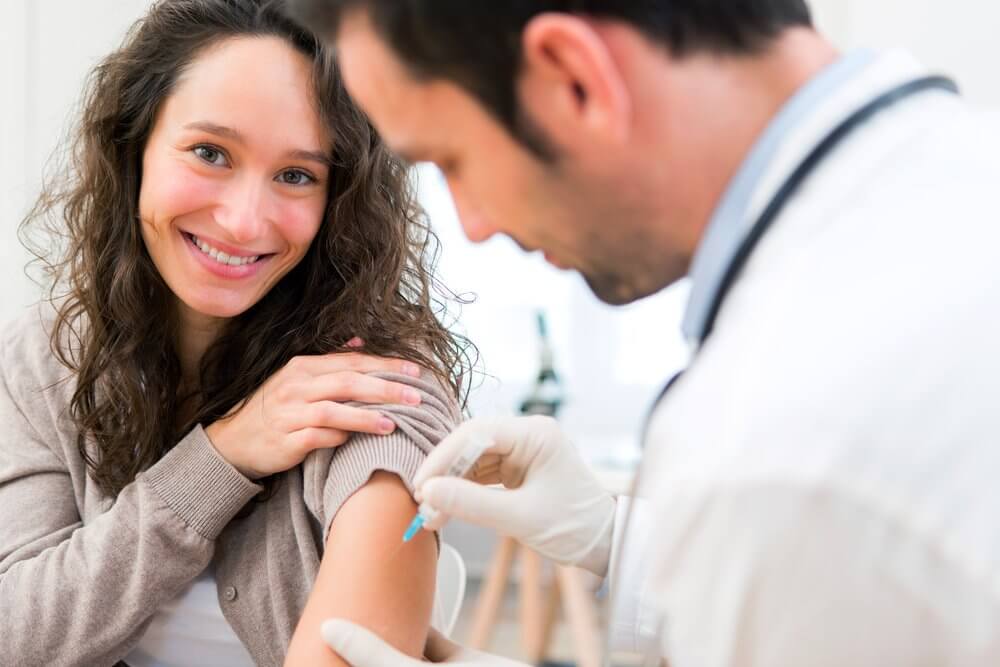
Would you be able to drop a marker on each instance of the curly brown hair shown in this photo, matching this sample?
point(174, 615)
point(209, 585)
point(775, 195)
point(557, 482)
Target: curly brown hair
point(369, 275)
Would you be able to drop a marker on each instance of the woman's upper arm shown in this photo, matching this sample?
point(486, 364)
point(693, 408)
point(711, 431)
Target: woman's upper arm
point(369, 576)
point(37, 504)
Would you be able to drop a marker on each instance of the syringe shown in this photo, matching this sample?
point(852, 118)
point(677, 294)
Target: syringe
point(459, 468)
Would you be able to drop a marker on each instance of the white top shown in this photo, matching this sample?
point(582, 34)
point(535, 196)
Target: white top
point(823, 485)
point(191, 631)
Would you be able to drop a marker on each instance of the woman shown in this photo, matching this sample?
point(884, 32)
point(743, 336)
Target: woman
point(198, 464)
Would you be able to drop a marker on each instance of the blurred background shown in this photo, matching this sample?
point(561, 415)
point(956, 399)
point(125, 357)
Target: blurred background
point(610, 361)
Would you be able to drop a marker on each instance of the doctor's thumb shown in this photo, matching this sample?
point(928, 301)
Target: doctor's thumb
point(469, 501)
point(360, 647)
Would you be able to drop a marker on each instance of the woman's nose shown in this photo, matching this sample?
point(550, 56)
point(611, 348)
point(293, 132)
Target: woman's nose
point(243, 212)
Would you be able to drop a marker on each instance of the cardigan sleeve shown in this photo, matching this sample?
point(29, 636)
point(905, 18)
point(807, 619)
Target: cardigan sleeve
point(332, 476)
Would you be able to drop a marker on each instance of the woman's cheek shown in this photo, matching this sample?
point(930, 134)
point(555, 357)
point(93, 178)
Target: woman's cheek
point(186, 192)
point(300, 221)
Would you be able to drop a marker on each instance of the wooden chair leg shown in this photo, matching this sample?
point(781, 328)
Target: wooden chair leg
point(491, 595)
point(581, 613)
point(532, 605)
point(550, 614)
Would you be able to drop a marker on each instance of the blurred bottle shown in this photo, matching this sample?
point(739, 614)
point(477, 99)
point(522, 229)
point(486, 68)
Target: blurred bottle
point(547, 394)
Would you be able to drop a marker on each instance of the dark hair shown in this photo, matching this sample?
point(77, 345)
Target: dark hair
point(477, 44)
point(368, 275)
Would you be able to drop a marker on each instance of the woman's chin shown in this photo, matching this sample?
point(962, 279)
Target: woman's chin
point(219, 308)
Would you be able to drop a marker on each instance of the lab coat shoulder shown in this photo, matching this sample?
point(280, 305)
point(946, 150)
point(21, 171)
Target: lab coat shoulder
point(837, 432)
point(866, 316)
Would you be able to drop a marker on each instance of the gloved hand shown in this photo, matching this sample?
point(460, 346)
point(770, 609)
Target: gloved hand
point(551, 502)
point(359, 647)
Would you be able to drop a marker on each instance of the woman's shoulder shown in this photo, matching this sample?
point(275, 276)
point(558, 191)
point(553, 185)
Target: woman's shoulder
point(27, 357)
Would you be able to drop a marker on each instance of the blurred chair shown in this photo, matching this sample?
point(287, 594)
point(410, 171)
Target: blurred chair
point(539, 603)
point(450, 589)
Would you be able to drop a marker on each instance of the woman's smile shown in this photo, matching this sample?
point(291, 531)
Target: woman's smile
point(224, 261)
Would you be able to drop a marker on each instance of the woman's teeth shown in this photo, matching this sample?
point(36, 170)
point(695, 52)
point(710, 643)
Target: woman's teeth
point(221, 257)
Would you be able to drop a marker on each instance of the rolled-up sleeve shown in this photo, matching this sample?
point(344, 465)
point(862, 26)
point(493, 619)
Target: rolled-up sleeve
point(332, 476)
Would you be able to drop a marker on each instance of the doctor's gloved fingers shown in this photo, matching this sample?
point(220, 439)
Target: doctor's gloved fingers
point(514, 443)
point(360, 647)
point(448, 451)
point(466, 500)
point(439, 648)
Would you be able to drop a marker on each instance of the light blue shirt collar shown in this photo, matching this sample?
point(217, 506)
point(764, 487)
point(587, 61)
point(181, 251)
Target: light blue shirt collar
point(729, 224)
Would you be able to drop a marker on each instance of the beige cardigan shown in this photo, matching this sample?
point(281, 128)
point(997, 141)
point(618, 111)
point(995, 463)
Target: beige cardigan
point(81, 574)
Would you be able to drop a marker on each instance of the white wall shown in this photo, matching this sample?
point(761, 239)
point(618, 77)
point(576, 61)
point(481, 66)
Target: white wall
point(958, 37)
point(46, 48)
point(14, 288)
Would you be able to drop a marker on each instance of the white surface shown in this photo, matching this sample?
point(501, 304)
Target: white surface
point(823, 478)
point(450, 591)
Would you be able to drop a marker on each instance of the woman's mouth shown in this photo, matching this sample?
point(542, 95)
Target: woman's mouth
point(221, 263)
point(221, 257)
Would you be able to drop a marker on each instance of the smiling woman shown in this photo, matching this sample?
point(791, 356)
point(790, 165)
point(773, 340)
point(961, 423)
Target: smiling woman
point(235, 171)
point(211, 427)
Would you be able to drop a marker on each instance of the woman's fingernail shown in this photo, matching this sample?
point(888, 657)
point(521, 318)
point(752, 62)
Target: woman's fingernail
point(411, 396)
point(411, 369)
point(386, 425)
point(355, 342)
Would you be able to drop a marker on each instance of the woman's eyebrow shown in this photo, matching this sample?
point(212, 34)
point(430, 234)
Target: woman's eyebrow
point(313, 156)
point(213, 128)
point(318, 157)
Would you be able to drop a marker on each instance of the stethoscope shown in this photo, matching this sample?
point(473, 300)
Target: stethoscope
point(753, 236)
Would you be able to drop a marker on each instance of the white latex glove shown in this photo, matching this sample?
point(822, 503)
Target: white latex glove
point(360, 647)
point(551, 502)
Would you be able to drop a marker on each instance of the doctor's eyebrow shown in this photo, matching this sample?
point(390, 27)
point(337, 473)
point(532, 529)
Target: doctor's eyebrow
point(410, 154)
point(407, 157)
point(229, 133)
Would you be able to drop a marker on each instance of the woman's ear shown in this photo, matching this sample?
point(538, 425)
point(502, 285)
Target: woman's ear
point(570, 83)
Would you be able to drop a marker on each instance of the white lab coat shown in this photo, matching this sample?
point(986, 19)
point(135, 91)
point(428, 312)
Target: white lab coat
point(823, 486)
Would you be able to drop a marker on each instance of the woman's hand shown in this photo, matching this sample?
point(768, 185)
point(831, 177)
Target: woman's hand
point(301, 408)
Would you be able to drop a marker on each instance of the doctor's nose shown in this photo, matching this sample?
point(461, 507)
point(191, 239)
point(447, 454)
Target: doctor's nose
point(475, 224)
point(243, 213)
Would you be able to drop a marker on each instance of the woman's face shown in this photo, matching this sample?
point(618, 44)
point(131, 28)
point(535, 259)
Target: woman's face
point(235, 175)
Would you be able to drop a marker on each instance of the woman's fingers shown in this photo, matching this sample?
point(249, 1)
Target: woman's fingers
point(331, 424)
point(355, 386)
point(352, 361)
point(332, 415)
point(308, 439)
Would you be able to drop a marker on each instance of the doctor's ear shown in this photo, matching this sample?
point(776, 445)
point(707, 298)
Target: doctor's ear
point(569, 81)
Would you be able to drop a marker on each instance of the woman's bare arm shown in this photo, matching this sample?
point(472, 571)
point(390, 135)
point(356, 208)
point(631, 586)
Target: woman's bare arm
point(369, 576)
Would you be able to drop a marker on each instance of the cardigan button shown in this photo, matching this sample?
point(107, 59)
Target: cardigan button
point(229, 593)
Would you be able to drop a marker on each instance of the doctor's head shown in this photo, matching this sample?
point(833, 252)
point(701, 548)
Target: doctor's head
point(583, 128)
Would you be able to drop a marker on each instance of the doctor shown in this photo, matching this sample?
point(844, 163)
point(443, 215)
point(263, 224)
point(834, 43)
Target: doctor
point(821, 486)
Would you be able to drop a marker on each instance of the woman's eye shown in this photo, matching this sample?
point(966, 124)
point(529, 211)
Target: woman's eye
point(295, 177)
point(210, 155)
